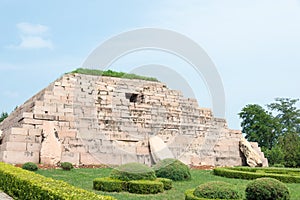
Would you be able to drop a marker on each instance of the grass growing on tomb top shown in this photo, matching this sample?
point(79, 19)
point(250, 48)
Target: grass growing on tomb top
point(111, 73)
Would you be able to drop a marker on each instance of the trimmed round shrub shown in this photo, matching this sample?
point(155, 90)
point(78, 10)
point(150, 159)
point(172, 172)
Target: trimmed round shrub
point(167, 183)
point(189, 195)
point(172, 169)
point(217, 190)
point(66, 166)
point(133, 171)
point(30, 166)
point(267, 189)
point(109, 185)
point(145, 187)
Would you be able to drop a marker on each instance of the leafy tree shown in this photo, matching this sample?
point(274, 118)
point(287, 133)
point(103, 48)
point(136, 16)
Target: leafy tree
point(259, 125)
point(277, 131)
point(3, 116)
point(274, 155)
point(287, 114)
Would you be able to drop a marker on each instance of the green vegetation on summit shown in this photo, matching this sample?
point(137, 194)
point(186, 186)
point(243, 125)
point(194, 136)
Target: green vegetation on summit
point(111, 73)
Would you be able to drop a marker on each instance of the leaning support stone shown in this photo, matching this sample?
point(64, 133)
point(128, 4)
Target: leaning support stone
point(252, 158)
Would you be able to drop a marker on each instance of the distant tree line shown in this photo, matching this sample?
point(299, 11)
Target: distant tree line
point(3, 116)
point(276, 129)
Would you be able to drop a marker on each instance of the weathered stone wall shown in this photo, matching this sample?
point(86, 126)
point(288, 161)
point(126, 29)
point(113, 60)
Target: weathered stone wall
point(109, 120)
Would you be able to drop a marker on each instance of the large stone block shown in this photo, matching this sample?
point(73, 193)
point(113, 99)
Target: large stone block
point(68, 133)
point(33, 147)
point(19, 157)
point(89, 159)
point(18, 131)
point(13, 146)
point(71, 157)
point(19, 138)
point(35, 132)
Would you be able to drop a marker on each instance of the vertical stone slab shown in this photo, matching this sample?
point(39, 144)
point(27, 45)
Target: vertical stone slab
point(159, 150)
point(51, 146)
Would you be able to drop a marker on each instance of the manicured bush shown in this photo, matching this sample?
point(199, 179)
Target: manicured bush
point(167, 183)
point(66, 166)
point(133, 171)
point(145, 187)
point(109, 185)
point(189, 195)
point(267, 189)
point(30, 166)
point(217, 190)
point(172, 169)
point(26, 185)
point(281, 174)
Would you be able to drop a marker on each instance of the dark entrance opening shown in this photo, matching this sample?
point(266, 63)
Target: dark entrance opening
point(131, 96)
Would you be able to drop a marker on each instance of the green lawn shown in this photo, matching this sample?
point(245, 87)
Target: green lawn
point(84, 178)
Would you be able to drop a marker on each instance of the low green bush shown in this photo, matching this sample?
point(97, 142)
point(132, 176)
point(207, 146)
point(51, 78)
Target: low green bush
point(26, 185)
point(287, 176)
point(217, 190)
point(133, 171)
point(167, 183)
point(66, 166)
point(267, 189)
point(109, 185)
point(30, 166)
point(189, 195)
point(145, 187)
point(172, 169)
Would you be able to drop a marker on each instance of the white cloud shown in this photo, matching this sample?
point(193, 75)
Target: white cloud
point(35, 42)
point(32, 29)
point(33, 36)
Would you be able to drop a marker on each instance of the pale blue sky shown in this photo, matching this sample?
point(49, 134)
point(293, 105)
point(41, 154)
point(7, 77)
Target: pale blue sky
point(255, 45)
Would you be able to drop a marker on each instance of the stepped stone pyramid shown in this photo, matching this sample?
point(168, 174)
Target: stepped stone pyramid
point(88, 120)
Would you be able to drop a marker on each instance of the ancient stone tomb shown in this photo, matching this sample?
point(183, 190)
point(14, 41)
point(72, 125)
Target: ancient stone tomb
point(85, 119)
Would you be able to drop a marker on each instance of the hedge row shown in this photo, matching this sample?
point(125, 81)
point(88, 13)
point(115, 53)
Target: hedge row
point(23, 184)
point(252, 173)
point(272, 170)
point(145, 187)
point(189, 195)
point(166, 182)
point(135, 186)
point(109, 184)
